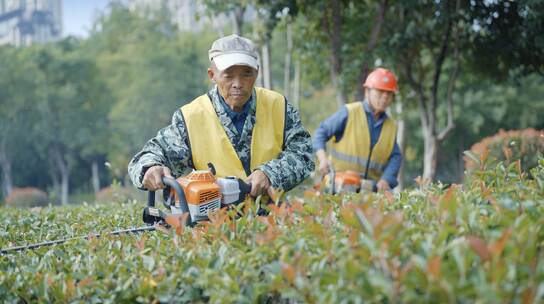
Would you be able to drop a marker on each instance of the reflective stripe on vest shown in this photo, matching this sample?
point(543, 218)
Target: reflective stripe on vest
point(353, 149)
point(209, 142)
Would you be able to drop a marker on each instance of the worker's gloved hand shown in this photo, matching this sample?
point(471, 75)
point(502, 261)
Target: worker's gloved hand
point(383, 185)
point(324, 162)
point(153, 177)
point(324, 167)
point(260, 183)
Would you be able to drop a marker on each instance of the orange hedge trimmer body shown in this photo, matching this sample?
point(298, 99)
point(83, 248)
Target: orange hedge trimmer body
point(343, 181)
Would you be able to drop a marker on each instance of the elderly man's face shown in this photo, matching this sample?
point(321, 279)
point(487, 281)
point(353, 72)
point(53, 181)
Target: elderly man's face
point(235, 84)
point(379, 100)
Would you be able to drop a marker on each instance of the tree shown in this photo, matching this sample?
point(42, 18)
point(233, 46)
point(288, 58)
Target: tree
point(270, 14)
point(151, 70)
point(332, 22)
point(101, 102)
point(424, 46)
point(16, 96)
point(432, 46)
point(236, 9)
point(67, 106)
point(345, 32)
point(508, 38)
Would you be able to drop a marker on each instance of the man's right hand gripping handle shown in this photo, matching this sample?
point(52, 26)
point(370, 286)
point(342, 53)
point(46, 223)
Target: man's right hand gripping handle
point(153, 177)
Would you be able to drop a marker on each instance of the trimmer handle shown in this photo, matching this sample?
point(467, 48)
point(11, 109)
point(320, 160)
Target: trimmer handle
point(332, 178)
point(245, 188)
point(150, 198)
point(171, 182)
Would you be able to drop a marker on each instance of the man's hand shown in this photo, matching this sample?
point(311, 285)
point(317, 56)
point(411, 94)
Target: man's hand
point(260, 183)
point(324, 163)
point(383, 185)
point(153, 177)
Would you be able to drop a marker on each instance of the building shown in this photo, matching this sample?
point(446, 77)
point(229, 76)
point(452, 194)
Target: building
point(24, 22)
point(190, 15)
point(182, 13)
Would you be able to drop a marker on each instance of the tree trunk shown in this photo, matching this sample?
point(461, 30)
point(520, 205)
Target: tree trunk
point(259, 81)
point(216, 26)
point(238, 19)
point(427, 95)
point(360, 92)
point(64, 169)
point(287, 66)
point(335, 12)
point(95, 176)
point(7, 184)
point(341, 97)
point(433, 137)
point(401, 141)
point(267, 79)
point(296, 85)
point(430, 155)
point(460, 159)
point(65, 179)
point(54, 178)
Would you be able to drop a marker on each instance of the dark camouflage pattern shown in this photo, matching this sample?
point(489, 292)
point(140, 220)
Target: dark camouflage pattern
point(171, 147)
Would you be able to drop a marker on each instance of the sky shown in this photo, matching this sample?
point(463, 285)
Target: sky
point(78, 15)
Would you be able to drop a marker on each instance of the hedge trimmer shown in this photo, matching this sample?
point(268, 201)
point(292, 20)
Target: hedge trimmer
point(344, 181)
point(189, 197)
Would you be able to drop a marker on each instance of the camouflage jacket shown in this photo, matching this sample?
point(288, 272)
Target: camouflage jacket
point(170, 147)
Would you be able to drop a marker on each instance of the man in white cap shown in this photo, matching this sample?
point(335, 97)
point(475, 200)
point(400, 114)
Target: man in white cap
point(248, 132)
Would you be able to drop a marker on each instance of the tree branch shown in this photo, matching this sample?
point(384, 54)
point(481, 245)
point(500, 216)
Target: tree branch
point(451, 85)
point(335, 36)
point(376, 29)
point(372, 42)
point(422, 100)
point(437, 72)
point(3, 156)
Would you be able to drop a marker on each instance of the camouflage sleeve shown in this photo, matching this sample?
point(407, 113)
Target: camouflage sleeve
point(296, 161)
point(170, 148)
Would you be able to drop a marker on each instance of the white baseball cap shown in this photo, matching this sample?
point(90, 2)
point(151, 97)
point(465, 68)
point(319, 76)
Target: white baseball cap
point(233, 50)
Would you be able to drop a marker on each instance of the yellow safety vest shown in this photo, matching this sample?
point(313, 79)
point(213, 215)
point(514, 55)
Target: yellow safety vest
point(353, 149)
point(209, 142)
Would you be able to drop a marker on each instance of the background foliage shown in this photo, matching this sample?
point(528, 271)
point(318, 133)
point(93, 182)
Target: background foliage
point(74, 112)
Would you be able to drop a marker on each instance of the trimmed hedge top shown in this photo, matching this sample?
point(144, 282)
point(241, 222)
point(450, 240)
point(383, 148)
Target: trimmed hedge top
point(477, 242)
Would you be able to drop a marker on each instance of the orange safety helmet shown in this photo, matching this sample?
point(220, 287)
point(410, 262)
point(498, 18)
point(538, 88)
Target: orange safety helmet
point(381, 79)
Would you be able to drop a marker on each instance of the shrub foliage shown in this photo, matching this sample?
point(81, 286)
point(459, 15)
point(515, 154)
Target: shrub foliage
point(479, 242)
point(27, 197)
point(509, 146)
point(117, 193)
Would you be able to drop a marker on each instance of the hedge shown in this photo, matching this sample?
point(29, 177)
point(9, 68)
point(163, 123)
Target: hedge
point(478, 242)
point(27, 197)
point(508, 146)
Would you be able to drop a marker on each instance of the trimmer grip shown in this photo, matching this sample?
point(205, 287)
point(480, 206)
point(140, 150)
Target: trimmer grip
point(332, 180)
point(151, 198)
point(245, 188)
point(169, 181)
